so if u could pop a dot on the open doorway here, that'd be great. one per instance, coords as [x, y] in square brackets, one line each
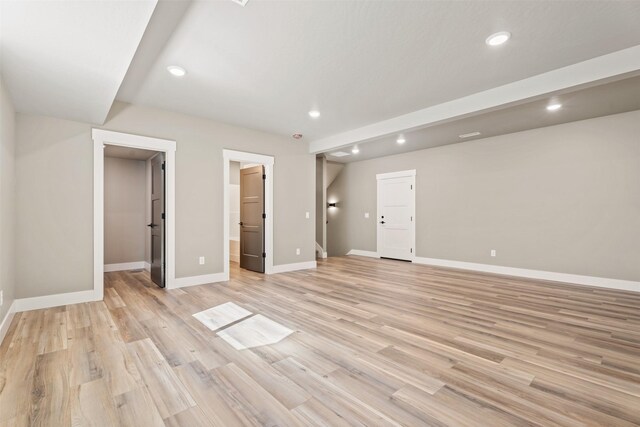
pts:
[326, 173]
[248, 217]
[118, 209]
[134, 211]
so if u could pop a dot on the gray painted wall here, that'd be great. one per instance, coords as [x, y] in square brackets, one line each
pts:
[55, 194]
[564, 199]
[7, 200]
[125, 206]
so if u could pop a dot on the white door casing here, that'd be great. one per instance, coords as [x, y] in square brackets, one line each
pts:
[396, 215]
[249, 158]
[102, 137]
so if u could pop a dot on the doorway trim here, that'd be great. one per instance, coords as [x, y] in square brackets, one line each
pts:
[267, 162]
[102, 137]
[411, 173]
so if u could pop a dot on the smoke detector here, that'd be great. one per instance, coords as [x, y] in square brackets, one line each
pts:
[296, 135]
[241, 2]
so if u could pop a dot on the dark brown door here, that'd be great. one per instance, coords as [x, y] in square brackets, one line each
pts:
[252, 218]
[157, 220]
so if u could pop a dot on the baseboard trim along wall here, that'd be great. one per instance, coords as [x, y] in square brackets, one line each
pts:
[183, 282]
[57, 300]
[358, 252]
[4, 326]
[147, 266]
[285, 268]
[601, 282]
[124, 266]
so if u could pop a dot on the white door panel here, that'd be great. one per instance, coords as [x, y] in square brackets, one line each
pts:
[396, 226]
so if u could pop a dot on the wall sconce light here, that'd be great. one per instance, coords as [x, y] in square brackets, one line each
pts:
[333, 205]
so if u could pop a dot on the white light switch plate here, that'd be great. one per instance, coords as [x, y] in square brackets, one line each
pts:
[306, 215]
[201, 260]
[366, 214]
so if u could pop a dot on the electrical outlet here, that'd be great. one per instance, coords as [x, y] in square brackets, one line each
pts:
[366, 214]
[201, 260]
[493, 252]
[297, 251]
[306, 215]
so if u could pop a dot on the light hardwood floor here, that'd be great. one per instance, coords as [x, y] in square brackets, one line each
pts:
[376, 342]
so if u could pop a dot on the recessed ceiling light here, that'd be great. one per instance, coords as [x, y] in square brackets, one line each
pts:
[355, 150]
[176, 71]
[469, 135]
[401, 140]
[314, 114]
[297, 136]
[339, 154]
[498, 38]
[554, 107]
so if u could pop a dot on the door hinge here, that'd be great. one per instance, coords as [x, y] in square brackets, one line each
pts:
[264, 254]
[264, 215]
[264, 176]
[163, 216]
[411, 219]
[411, 250]
[162, 165]
[412, 186]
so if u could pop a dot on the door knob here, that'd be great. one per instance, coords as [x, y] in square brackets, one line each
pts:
[151, 225]
[381, 222]
[240, 224]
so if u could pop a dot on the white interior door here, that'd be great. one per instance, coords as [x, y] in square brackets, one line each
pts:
[396, 215]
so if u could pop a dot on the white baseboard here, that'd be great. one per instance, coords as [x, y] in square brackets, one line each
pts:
[284, 268]
[147, 266]
[358, 252]
[4, 326]
[601, 282]
[57, 300]
[182, 282]
[138, 265]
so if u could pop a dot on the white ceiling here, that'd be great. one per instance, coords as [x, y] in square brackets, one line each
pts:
[363, 64]
[267, 64]
[610, 98]
[67, 59]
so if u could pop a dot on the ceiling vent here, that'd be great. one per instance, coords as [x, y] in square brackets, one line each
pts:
[338, 154]
[241, 2]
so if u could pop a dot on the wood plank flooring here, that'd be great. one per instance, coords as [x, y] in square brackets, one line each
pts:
[376, 343]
